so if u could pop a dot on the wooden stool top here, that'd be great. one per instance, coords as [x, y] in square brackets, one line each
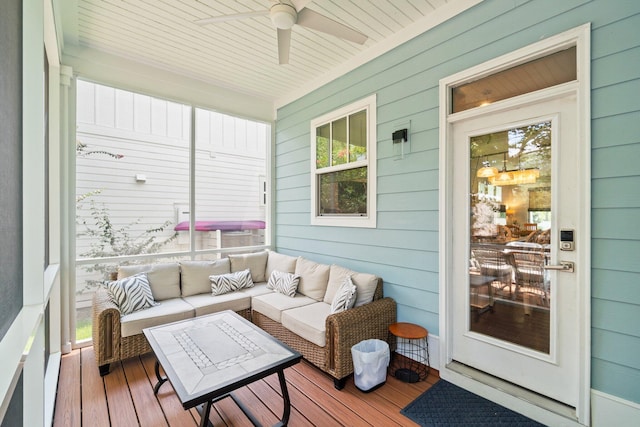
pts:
[409, 331]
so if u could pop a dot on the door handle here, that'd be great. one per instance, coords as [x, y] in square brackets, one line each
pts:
[566, 266]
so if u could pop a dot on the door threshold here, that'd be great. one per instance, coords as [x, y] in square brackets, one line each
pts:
[528, 396]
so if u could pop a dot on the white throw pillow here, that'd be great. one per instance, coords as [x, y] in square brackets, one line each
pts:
[283, 282]
[225, 283]
[345, 297]
[132, 293]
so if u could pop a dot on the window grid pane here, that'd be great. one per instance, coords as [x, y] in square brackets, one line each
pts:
[339, 142]
[323, 136]
[358, 136]
[343, 192]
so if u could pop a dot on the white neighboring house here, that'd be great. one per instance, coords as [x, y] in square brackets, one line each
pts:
[147, 182]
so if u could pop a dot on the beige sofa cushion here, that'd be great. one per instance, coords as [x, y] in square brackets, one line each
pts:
[366, 287]
[280, 262]
[164, 278]
[314, 278]
[207, 303]
[167, 311]
[365, 284]
[308, 322]
[257, 290]
[273, 304]
[256, 262]
[195, 275]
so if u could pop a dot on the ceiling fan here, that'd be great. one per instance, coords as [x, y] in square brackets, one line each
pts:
[285, 14]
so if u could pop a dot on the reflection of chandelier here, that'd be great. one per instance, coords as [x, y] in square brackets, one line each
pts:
[486, 171]
[517, 177]
[514, 177]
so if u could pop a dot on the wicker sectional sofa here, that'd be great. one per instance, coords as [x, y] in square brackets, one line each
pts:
[303, 321]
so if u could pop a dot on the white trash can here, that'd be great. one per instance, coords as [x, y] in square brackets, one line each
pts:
[370, 362]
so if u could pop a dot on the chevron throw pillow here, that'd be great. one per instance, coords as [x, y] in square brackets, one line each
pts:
[132, 293]
[225, 283]
[284, 283]
[345, 297]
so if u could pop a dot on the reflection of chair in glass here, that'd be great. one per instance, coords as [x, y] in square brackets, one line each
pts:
[515, 230]
[504, 234]
[528, 228]
[530, 277]
[542, 237]
[493, 263]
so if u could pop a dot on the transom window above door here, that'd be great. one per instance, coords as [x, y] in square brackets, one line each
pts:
[343, 159]
[547, 71]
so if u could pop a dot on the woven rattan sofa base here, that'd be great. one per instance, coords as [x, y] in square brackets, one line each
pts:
[108, 345]
[344, 330]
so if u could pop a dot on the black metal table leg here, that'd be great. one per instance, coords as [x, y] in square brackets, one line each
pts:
[285, 396]
[245, 409]
[206, 410]
[161, 379]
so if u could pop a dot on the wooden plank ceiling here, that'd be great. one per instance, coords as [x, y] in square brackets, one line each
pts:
[242, 54]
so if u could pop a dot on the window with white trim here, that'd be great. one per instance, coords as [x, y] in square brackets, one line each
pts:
[343, 166]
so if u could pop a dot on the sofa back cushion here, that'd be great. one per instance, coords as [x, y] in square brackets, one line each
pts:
[365, 284]
[280, 262]
[256, 262]
[195, 275]
[164, 278]
[314, 278]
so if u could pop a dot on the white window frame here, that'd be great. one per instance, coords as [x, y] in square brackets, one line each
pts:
[368, 220]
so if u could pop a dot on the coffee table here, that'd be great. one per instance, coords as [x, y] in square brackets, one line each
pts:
[207, 357]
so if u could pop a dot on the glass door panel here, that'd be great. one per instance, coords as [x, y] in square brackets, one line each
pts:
[514, 304]
[510, 182]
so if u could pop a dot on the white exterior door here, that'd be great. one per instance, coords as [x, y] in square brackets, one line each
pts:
[515, 312]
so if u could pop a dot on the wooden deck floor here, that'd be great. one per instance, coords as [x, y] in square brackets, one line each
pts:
[125, 398]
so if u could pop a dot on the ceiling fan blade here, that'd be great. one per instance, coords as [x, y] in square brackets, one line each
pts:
[310, 19]
[233, 17]
[284, 44]
[300, 4]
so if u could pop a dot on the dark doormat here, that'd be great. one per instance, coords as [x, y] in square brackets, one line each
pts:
[445, 404]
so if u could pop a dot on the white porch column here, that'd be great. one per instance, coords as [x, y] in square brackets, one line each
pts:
[67, 203]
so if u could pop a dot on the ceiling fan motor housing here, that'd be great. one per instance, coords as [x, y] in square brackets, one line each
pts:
[283, 16]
